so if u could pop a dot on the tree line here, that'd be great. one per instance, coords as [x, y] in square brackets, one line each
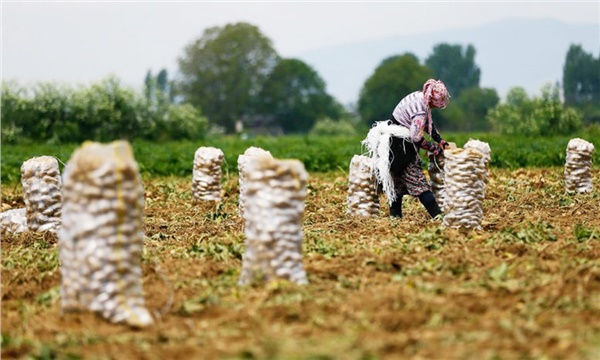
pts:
[103, 111]
[479, 109]
[231, 79]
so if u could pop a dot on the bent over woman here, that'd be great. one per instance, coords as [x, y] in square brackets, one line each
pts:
[394, 147]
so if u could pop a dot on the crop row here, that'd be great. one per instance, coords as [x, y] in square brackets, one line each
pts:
[319, 154]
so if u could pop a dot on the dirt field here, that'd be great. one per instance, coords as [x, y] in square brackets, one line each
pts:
[525, 287]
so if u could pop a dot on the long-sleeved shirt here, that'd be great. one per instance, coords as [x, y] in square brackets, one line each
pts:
[412, 113]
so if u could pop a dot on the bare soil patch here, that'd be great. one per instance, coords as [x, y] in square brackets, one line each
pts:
[526, 286]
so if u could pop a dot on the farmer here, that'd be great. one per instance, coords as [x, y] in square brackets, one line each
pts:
[394, 147]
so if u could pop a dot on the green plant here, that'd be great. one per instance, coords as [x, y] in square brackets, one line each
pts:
[329, 127]
[526, 233]
[543, 116]
[583, 233]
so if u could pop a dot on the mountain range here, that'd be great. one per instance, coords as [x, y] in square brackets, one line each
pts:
[513, 52]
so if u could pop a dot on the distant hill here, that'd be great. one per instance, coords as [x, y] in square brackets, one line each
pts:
[513, 52]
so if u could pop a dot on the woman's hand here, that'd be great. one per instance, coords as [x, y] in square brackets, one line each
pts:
[447, 145]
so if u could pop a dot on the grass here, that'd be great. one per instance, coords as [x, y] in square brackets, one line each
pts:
[319, 154]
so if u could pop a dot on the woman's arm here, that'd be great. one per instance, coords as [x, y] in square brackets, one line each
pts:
[417, 127]
[435, 135]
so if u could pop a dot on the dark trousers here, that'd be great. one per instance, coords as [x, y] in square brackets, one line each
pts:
[402, 152]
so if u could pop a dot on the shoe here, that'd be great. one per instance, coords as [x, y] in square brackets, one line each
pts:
[396, 209]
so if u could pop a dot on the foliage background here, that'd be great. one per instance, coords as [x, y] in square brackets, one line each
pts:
[232, 80]
[318, 153]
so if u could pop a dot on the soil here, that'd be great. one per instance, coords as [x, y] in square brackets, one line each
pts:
[527, 285]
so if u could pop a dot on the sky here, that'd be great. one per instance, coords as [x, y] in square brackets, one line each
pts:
[79, 42]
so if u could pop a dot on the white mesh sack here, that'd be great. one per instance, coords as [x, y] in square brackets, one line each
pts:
[101, 238]
[465, 183]
[480, 146]
[243, 159]
[362, 198]
[13, 221]
[42, 193]
[578, 163]
[275, 194]
[483, 148]
[436, 177]
[206, 178]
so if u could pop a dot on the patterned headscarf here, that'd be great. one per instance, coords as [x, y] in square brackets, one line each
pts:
[436, 94]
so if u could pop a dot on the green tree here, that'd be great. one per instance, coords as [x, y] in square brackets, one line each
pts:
[224, 70]
[474, 103]
[103, 111]
[392, 80]
[543, 116]
[107, 111]
[39, 113]
[455, 67]
[180, 121]
[50, 104]
[13, 112]
[149, 86]
[581, 82]
[329, 127]
[51, 112]
[162, 81]
[157, 88]
[294, 96]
